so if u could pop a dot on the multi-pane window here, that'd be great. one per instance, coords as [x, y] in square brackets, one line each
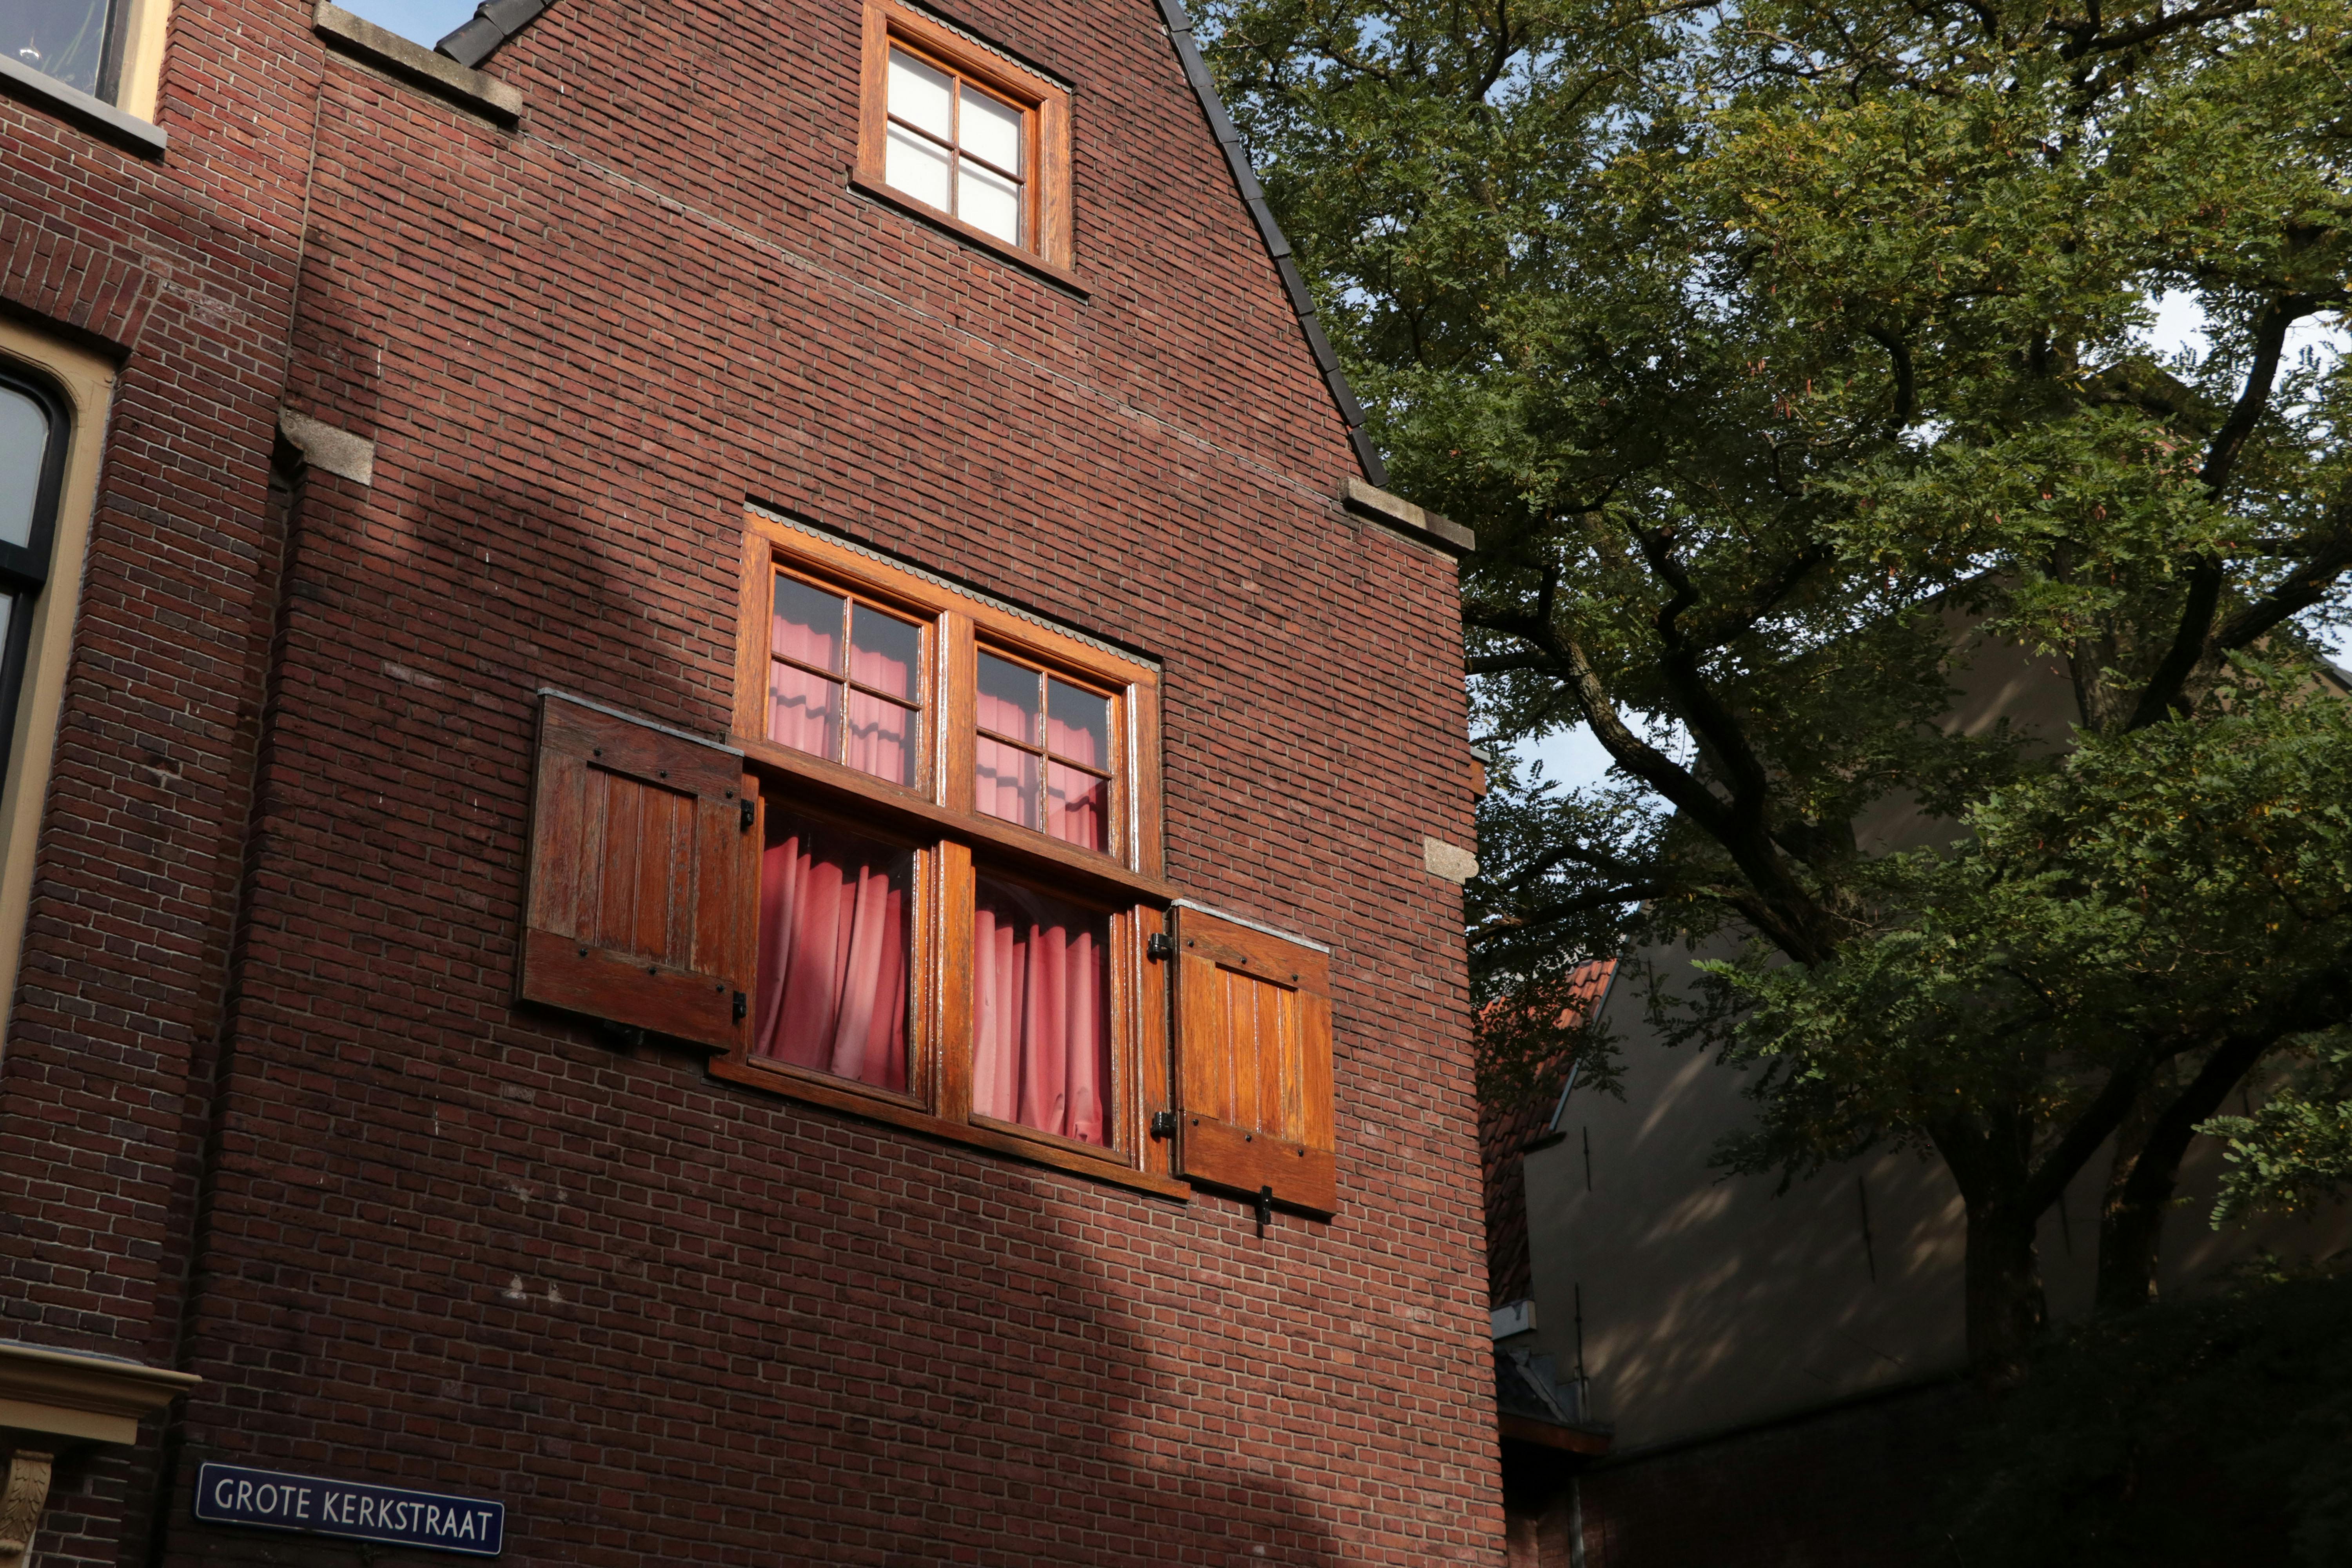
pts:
[956, 834]
[921, 883]
[955, 128]
[1042, 757]
[956, 146]
[843, 680]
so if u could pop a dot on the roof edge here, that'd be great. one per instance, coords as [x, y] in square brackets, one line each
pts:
[491, 25]
[1220, 125]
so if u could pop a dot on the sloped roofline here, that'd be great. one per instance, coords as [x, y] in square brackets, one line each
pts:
[496, 21]
[1220, 125]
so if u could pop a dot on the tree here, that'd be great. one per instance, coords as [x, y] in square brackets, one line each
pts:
[1765, 343]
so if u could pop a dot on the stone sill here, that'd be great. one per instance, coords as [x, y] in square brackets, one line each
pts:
[129, 132]
[497, 101]
[1401, 516]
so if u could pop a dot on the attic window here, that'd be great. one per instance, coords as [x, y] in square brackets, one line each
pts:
[955, 131]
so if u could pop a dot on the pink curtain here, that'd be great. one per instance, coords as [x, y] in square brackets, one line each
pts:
[1077, 809]
[881, 738]
[883, 734]
[804, 709]
[833, 911]
[1041, 1012]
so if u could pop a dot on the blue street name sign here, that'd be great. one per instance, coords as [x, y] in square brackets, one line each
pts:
[231, 1494]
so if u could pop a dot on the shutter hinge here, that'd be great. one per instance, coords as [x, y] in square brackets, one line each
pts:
[1265, 1204]
[742, 1006]
[750, 812]
[1163, 1124]
[1159, 946]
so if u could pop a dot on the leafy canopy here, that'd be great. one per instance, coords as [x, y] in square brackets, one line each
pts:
[1787, 357]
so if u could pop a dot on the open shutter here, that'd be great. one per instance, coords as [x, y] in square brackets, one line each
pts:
[1253, 1062]
[643, 900]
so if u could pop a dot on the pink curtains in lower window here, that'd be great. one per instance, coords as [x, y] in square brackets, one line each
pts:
[1041, 1012]
[833, 918]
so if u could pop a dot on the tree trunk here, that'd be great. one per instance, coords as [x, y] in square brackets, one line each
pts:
[2005, 1307]
[2131, 1226]
[2130, 1230]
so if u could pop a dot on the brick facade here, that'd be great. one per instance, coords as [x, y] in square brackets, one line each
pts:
[269, 1111]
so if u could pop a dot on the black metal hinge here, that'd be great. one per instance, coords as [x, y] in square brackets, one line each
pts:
[742, 1006]
[750, 812]
[1163, 1124]
[1160, 946]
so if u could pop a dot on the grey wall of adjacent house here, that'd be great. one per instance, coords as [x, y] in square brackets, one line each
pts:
[1709, 1303]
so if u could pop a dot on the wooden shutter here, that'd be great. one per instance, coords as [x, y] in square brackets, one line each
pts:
[1253, 1062]
[643, 900]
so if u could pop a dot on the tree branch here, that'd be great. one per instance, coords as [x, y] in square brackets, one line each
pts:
[2164, 692]
[2298, 591]
[2094, 1127]
[2084, 38]
[1907, 386]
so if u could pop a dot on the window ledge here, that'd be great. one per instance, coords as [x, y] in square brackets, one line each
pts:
[1028, 261]
[1036, 1151]
[20, 81]
[495, 100]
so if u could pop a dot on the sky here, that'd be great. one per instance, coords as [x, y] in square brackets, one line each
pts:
[1574, 758]
[426, 22]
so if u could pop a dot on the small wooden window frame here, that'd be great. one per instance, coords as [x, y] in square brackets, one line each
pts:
[954, 845]
[927, 717]
[1114, 774]
[1045, 126]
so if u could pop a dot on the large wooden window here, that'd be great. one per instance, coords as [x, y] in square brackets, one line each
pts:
[958, 862]
[959, 132]
[922, 883]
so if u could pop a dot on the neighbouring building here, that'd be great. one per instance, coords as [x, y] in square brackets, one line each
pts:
[733, 822]
[1764, 1377]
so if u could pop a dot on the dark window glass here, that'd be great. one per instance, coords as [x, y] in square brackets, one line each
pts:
[61, 38]
[32, 459]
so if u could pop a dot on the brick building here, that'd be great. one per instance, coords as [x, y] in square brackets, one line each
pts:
[729, 811]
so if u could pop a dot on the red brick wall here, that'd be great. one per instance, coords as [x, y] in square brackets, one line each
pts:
[450, 1243]
[183, 271]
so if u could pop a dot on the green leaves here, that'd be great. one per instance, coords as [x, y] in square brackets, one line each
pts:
[2157, 892]
[1790, 359]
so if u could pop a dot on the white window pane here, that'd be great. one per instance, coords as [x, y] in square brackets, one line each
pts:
[992, 130]
[990, 204]
[914, 166]
[24, 440]
[922, 96]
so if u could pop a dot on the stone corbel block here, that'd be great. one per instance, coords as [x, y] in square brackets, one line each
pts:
[50, 1400]
[323, 445]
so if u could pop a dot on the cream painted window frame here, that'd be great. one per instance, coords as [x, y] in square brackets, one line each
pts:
[86, 382]
[139, 79]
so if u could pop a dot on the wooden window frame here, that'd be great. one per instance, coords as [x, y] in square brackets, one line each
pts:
[1114, 775]
[1045, 129]
[923, 705]
[955, 844]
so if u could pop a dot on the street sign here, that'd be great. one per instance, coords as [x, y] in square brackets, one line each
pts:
[354, 1511]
